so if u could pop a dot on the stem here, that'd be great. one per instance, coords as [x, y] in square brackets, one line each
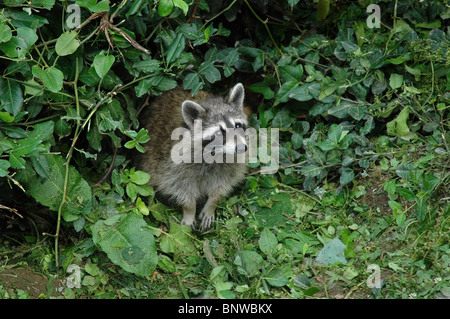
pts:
[265, 25]
[68, 158]
[220, 13]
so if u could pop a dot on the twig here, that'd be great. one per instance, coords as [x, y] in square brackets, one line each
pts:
[145, 104]
[265, 25]
[290, 217]
[68, 158]
[194, 11]
[219, 14]
[12, 210]
[108, 172]
[106, 25]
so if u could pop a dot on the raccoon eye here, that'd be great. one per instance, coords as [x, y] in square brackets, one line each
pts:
[238, 125]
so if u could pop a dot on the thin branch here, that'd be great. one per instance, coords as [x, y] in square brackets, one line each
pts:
[108, 172]
[12, 210]
[265, 25]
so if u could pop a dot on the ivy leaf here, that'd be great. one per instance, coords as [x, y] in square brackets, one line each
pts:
[67, 43]
[268, 242]
[175, 48]
[332, 253]
[178, 241]
[128, 242]
[210, 72]
[347, 175]
[395, 81]
[182, 5]
[311, 170]
[285, 90]
[5, 32]
[399, 125]
[46, 185]
[51, 77]
[192, 82]
[248, 262]
[263, 88]
[4, 165]
[93, 6]
[11, 96]
[102, 64]
[165, 7]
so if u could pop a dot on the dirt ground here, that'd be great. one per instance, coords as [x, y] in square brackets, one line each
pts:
[13, 280]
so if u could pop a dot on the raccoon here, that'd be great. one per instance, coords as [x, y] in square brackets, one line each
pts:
[208, 161]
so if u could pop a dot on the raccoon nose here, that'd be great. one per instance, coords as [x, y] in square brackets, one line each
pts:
[241, 148]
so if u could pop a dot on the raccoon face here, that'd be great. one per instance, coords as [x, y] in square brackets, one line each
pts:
[223, 123]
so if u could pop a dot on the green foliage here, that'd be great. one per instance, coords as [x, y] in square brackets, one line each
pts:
[349, 101]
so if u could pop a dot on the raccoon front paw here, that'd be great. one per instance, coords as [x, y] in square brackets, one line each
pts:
[206, 221]
[189, 222]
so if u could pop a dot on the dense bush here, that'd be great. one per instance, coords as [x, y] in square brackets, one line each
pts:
[346, 98]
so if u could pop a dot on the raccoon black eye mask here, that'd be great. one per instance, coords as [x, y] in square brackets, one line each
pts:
[222, 120]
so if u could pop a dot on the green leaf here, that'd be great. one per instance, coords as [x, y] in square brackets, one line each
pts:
[16, 161]
[175, 48]
[332, 253]
[142, 207]
[327, 145]
[131, 190]
[311, 170]
[6, 117]
[302, 93]
[263, 88]
[248, 262]
[67, 43]
[42, 131]
[26, 146]
[357, 111]
[347, 175]
[5, 32]
[51, 77]
[340, 110]
[165, 7]
[47, 186]
[139, 177]
[192, 82]
[277, 277]
[147, 65]
[178, 240]
[47, 4]
[210, 72]
[93, 6]
[323, 6]
[103, 63]
[28, 35]
[285, 90]
[282, 119]
[395, 81]
[291, 73]
[11, 96]
[413, 71]
[268, 242]
[4, 165]
[399, 125]
[128, 242]
[182, 5]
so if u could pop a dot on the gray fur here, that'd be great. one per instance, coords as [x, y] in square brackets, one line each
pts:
[188, 183]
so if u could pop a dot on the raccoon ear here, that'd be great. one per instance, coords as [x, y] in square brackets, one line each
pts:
[191, 111]
[236, 96]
